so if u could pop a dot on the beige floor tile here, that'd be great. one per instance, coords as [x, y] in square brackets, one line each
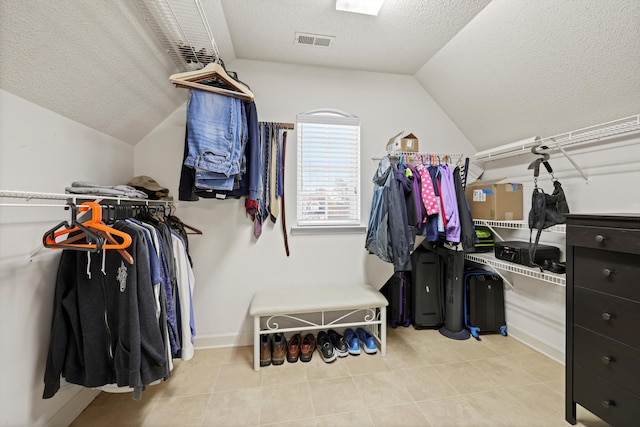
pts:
[502, 409]
[225, 406]
[538, 366]
[404, 415]
[542, 401]
[366, 363]
[472, 349]
[183, 411]
[346, 419]
[439, 352]
[242, 354]
[425, 383]
[503, 373]
[317, 369]
[307, 422]
[503, 346]
[381, 389]
[234, 376]
[241, 421]
[122, 413]
[285, 402]
[189, 380]
[402, 356]
[465, 377]
[452, 411]
[283, 374]
[335, 395]
[587, 419]
[212, 356]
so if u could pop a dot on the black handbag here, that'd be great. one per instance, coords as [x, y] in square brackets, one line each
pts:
[546, 209]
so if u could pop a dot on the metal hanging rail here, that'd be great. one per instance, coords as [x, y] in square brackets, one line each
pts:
[30, 195]
[586, 135]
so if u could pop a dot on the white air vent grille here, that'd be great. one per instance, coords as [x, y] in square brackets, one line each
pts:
[314, 39]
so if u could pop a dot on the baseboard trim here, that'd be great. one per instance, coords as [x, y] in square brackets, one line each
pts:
[537, 344]
[223, 340]
[73, 408]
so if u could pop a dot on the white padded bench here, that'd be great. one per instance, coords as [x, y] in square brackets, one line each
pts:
[284, 303]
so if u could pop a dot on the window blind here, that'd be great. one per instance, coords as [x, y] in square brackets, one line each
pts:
[328, 170]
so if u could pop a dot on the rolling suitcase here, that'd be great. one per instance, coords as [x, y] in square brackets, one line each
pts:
[397, 292]
[427, 289]
[484, 303]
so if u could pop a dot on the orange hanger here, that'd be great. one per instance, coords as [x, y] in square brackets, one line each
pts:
[94, 224]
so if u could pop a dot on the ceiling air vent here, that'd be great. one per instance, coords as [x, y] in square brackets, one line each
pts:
[314, 39]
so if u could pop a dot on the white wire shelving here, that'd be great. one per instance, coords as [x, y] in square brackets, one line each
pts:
[496, 264]
[68, 197]
[492, 261]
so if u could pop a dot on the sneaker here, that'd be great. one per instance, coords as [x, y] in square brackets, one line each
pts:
[293, 348]
[307, 347]
[352, 341]
[325, 347]
[278, 349]
[339, 344]
[367, 340]
[265, 350]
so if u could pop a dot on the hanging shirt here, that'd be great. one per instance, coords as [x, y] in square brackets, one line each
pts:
[449, 200]
[428, 193]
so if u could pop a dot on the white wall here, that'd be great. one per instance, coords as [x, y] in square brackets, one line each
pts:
[535, 309]
[44, 152]
[230, 265]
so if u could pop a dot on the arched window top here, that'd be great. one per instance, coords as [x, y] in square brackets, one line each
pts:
[328, 116]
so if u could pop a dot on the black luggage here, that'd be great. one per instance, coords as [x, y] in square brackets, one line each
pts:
[397, 291]
[484, 303]
[427, 289]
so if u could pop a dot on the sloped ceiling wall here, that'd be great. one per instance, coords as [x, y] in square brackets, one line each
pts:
[526, 68]
[502, 70]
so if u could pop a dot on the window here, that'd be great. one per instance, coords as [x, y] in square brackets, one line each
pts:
[328, 169]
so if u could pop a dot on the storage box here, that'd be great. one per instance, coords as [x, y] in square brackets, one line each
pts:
[408, 143]
[495, 200]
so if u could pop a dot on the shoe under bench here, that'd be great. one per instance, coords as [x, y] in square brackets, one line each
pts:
[337, 307]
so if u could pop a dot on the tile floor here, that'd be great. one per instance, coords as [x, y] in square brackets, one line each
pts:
[425, 380]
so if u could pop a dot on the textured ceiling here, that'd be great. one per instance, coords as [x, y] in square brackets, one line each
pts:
[404, 35]
[502, 70]
[94, 62]
[526, 68]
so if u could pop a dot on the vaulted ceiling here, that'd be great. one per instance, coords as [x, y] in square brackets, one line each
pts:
[502, 70]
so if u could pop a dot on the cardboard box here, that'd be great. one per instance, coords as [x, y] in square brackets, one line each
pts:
[495, 200]
[408, 143]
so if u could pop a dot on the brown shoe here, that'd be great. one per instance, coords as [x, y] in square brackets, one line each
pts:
[307, 347]
[265, 350]
[293, 348]
[279, 349]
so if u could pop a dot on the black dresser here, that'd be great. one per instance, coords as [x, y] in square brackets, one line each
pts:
[603, 317]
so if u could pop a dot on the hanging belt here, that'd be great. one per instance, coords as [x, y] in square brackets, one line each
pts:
[284, 222]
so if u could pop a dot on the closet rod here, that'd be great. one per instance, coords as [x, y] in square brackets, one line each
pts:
[412, 153]
[30, 195]
[281, 124]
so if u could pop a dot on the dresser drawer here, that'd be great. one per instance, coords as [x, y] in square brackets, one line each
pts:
[616, 318]
[610, 239]
[611, 403]
[605, 271]
[607, 358]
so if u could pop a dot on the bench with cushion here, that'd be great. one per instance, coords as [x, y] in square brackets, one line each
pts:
[285, 304]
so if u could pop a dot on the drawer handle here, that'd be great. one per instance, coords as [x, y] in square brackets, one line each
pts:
[607, 272]
[608, 403]
[607, 316]
[607, 359]
[599, 238]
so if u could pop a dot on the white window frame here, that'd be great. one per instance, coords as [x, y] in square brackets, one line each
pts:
[307, 224]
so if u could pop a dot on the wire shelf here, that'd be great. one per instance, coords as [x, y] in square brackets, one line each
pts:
[183, 29]
[517, 225]
[568, 139]
[487, 259]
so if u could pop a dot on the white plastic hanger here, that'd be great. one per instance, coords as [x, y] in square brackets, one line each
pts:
[191, 79]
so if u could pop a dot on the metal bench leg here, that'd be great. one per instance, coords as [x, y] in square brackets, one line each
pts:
[256, 343]
[383, 331]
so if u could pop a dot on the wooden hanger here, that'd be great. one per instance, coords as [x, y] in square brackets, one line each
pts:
[192, 79]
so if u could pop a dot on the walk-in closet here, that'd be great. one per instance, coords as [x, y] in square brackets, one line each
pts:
[327, 212]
